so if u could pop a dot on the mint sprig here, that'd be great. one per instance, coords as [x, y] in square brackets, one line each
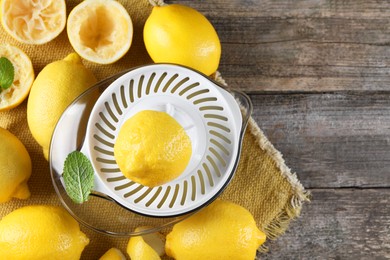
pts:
[7, 73]
[78, 176]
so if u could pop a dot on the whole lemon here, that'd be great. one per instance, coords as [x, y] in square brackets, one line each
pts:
[40, 232]
[180, 34]
[15, 167]
[55, 87]
[222, 230]
[152, 148]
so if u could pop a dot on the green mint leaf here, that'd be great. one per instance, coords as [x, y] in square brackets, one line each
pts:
[7, 73]
[78, 176]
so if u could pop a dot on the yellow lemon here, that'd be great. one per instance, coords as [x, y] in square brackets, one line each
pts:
[33, 22]
[222, 230]
[15, 167]
[149, 246]
[113, 254]
[100, 31]
[179, 34]
[23, 77]
[152, 148]
[40, 232]
[55, 87]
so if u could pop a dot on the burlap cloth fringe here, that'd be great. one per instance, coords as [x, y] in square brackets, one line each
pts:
[292, 208]
[263, 183]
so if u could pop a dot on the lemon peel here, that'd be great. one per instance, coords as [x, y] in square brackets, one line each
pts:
[149, 246]
[113, 254]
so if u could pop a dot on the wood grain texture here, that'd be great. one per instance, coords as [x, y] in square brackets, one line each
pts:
[330, 140]
[338, 224]
[310, 46]
[319, 77]
[293, 8]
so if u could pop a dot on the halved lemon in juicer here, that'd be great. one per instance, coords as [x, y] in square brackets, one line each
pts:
[164, 140]
[213, 118]
[152, 148]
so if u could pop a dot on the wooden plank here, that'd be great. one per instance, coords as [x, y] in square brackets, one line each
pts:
[302, 45]
[292, 8]
[306, 66]
[263, 30]
[330, 140]
[338, 224]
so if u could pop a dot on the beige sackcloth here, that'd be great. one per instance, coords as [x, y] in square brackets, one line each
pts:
[263, 183]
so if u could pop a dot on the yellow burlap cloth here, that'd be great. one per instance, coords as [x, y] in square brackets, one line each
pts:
[263, 183]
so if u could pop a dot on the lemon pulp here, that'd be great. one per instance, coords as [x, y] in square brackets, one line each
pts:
[152, 148]
[100, 31]
[33, 22]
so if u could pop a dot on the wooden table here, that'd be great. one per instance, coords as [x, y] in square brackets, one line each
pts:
[318, 73]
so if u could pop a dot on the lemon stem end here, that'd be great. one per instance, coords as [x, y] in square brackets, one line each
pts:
[72, 57]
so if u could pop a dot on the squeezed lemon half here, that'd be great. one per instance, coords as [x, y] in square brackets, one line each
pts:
[33, 22]
[152, 148]
[23, 79]
[100, 31]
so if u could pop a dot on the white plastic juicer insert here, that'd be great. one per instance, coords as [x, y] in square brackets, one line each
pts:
[209, 114]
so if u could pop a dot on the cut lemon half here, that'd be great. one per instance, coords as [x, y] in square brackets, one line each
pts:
[33, 22]
[100, 31]
[23, 77]
[149, 246]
